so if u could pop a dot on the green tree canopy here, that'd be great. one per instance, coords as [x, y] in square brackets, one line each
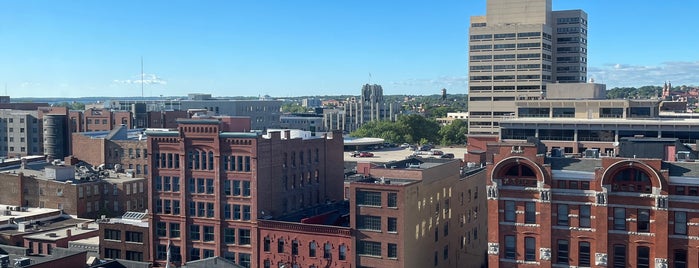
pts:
[454, 133]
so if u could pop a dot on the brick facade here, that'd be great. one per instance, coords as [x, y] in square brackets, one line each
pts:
[609, 212]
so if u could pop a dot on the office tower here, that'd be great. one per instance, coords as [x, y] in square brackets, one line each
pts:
[514, 51]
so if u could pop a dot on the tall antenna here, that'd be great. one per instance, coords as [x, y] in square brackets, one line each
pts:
[369, 78]
[141, 76]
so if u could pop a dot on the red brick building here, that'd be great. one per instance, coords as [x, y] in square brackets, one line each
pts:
[304, 245]
[590, 212]
[125, 238]
[209, 186]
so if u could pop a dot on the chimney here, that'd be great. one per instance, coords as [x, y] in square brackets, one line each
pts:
[68, 233]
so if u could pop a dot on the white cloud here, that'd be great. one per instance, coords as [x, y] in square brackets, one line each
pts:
[625, 75]
[148, 79]
[27, 84]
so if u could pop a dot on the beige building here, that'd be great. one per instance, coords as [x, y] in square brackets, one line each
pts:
[418, 213]
[515, 51]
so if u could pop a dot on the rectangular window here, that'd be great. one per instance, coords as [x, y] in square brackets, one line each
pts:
[584, 254]
[136, 237]
[510, 247]
[530, 212]
[680, 260]
[562, 215]
[369, 248]
[510, 215]
[367, 198]
[619, 258]
[280, 245]
[343, 252]
[530, 249]
[229, 236]
[208, 233]
[194, 232]
[642, 257]
[392, 225]
[585, 216]
[244, 236]
[227, 187]
[620, 219]
[643, 221]
[372, 223]
[236, 212]
[562, 252]
[246, 188]
[111, 234]
[174, 229]
[244, 259]
[246, 213]
[680, 222]
[294, 247]
[161, 229]
[209, 186]
[236, 187]
[392, 200]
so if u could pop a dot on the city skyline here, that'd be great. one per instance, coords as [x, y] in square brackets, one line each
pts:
[282, 49]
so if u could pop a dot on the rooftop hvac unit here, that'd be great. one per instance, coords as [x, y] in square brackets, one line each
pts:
[591, 153]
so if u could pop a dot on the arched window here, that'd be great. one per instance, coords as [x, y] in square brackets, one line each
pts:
[519, 175]
[631, 180]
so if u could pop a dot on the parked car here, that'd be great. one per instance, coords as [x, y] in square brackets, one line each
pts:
[437, 152]
[404, 145]
[366, 154]
[355, 154]
[447, 155]
[425, 148]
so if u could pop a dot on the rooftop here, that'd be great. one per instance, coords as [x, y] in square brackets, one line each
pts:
[62, 233]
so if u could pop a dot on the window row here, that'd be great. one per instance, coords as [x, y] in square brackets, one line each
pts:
[373, 223]
[281, 247]
[235, 163]
[167, 160]
[237, 212]
[167, 183]
[374, 198]
[236, 188]
[373, 248]
[167, 206]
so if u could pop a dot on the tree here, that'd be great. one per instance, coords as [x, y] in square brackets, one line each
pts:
[454, 133]
[420, 128]
[78, 106]
[394, 132]
[292, 107]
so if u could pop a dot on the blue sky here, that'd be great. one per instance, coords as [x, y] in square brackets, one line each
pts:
[293, 48]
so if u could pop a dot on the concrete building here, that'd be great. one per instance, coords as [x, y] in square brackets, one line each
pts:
[451, 117]
[575, 122]
[515, 50]
[20, 133]
[418, 213]
[620, 211]
[230, 178]
[355, 112]
[307, 122]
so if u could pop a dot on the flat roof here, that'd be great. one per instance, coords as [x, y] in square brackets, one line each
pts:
[24, 212]
[58, 234]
